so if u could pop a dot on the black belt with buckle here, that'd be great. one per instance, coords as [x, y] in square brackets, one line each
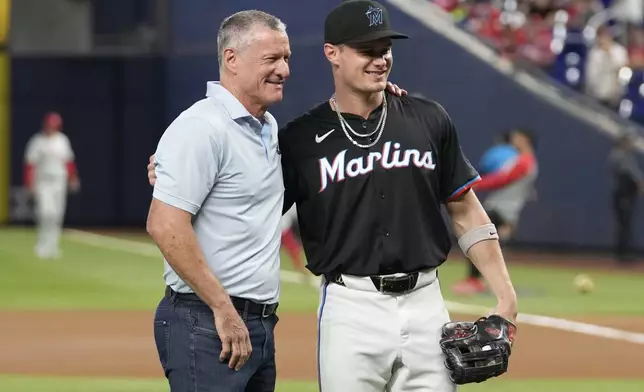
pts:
[241, 304]
[395, 284]
[387, 284]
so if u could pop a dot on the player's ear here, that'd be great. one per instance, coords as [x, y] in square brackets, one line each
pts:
[230, 60]
[331, 52]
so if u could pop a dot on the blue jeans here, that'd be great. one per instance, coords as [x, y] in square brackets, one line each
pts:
[189, 348]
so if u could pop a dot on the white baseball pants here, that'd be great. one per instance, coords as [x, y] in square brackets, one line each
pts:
[51, 202]
[374, 342]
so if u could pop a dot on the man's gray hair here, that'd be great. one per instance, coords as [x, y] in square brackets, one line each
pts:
[236, 30]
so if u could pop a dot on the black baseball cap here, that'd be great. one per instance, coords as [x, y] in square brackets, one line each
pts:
[356, 21]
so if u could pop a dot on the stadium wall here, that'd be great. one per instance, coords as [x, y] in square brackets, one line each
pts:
[116, 109]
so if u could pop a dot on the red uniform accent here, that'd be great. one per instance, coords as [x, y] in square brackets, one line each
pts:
[462, 191]
[292, 245]
[71, 169]
[29, 175]
[522, 167]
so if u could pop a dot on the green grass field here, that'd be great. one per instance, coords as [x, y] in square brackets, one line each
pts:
[62, 384]
[93, 276]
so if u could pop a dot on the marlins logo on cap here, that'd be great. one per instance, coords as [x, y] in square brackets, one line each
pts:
[374, 15]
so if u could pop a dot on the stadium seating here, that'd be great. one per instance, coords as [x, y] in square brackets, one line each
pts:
[569, 46]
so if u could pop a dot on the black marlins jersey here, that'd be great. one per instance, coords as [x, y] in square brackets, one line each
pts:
[371, 211]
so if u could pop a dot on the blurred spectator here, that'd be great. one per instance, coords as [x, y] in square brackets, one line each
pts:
[539, 34]
[636, 47]
[580, 12]
[629, 184]
[628, 11]
[604, 61]
[546, 33]
[541, 10]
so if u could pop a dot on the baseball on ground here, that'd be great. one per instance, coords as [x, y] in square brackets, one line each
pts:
[583, 283]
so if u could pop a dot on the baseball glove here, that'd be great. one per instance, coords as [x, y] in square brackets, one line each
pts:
[479, 350]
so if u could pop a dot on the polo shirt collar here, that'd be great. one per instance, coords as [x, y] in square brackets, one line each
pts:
[232, 105]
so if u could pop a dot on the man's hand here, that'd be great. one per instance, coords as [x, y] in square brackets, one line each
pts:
[395, 90]
[235, 340]
[152, 176]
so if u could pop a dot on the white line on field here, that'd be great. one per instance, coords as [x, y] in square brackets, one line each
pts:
[139, 248]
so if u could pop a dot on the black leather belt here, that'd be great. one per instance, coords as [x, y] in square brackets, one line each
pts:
[387, 284]
[243, 305]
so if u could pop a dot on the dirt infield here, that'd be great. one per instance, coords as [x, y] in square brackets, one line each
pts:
[121, 344]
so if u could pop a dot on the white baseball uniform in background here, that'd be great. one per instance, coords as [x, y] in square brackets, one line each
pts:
[289, 218]
[49, 156]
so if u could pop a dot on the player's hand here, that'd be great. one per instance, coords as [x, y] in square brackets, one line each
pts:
[506, 310]
[235, 340]
[395, 90]
[152, 176]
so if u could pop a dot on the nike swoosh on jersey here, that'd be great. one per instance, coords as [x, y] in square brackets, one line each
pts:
[318, 138]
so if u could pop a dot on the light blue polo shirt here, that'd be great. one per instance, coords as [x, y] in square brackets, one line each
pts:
[220, 164]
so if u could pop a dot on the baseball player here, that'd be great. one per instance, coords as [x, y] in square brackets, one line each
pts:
[628, 186]
[511, 186]
[498, 155]
[369, 173]
[49, 169]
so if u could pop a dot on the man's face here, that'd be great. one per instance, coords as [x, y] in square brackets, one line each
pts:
[604, 39]
[366, 66]
[263, 66]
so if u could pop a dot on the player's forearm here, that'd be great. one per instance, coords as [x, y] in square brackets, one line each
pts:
[178, 244]
[471, 223]
[488, 258]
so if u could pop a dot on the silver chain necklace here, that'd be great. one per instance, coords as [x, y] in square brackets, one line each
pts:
[380, 127]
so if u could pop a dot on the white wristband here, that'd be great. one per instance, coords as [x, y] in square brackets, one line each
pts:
[476, 235]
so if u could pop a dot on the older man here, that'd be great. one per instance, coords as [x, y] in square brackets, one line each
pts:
[215, 215]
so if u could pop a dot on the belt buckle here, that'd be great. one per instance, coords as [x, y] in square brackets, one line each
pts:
[410, 280]
[382, 284]
[264, 308]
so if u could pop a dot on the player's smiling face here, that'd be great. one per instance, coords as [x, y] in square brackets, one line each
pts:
[366, 66]
[264, 65]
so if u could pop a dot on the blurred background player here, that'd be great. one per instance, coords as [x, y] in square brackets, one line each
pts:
[499, 154]
[510, 171]
[49, 169]
[629, 184]
[292, 244]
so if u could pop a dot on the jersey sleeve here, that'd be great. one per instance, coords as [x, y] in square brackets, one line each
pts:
[187, 163]
[522, 167]
[31, 151]
[69, 152]
[456, 172]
